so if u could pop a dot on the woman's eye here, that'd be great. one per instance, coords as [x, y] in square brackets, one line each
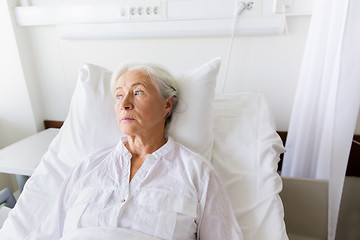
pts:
[119, 97]
[139, 92]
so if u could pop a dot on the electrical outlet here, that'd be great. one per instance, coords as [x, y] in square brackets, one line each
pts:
[252, 7]
[145, 10]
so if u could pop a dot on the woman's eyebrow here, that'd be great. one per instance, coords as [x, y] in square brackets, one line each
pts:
[133, 85]
[137, 84]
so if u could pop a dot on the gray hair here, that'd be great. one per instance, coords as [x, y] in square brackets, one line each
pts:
[162, 79]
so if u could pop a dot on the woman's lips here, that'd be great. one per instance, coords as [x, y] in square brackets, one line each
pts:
[127, 119]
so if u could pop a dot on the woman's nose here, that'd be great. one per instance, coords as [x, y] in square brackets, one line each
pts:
[126, 103]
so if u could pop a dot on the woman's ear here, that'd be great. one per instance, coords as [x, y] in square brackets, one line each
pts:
[168, 106]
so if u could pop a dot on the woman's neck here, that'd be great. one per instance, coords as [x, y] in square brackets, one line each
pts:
[139, 146]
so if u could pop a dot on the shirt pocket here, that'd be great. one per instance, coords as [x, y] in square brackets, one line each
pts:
[72, 217]
[166, 214]
[86, 208]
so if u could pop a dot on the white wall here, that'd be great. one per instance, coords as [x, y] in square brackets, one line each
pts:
[16, 114]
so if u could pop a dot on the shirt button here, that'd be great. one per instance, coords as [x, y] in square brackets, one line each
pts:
[123, 200]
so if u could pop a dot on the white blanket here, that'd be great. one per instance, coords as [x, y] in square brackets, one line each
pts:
[107, 233]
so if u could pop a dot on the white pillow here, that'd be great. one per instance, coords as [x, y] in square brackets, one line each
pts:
[91, 126]
[192, 120]
[91, 123]
[246, 154]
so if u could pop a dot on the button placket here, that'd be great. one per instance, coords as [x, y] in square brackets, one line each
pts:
[124, 185]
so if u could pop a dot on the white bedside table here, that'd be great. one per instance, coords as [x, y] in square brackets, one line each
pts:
[21, 158]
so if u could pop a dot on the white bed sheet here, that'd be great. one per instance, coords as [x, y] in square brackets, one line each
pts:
[246, 155]
[4, 212]
[107, 234]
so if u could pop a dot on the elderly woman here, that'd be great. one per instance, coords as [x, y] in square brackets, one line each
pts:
[149, 183]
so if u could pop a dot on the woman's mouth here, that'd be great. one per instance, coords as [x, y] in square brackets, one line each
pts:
[127, 119]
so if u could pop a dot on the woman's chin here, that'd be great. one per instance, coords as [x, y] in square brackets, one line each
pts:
[128, 130]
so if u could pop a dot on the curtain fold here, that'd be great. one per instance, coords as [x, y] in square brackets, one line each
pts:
[327, 100]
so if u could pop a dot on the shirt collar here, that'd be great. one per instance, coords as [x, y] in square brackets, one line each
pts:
[168, 146]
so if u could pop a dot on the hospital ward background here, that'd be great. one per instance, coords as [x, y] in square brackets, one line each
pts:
[274, 84]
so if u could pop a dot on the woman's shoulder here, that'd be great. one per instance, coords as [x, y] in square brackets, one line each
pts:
[182, 149]
[93, 159]
[191, 159]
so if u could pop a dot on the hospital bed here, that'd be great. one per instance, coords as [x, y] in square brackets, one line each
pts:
[235, 132]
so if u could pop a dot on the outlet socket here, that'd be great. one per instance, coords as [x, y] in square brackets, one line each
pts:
[145, 10]
[252, 7]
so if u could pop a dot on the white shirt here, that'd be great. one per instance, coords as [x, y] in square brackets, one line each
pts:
[176, 194]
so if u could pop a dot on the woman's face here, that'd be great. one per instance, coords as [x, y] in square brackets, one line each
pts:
[139, 108]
